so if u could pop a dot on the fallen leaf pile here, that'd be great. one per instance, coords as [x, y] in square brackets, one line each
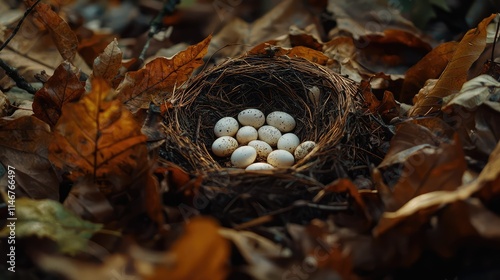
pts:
[92, 192]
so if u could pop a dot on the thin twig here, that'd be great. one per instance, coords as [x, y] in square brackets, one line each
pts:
[11, 71]
[18, 26]
[156, 25]
[14, 75]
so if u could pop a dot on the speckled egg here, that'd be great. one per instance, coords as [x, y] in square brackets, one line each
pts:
[280, 159]
[226, 126]
[263, 149]
[259, 166]
[288, 142]
[281, 120]
[303, 149]
[224, 146]
[269, 134]
[252, 117]
[243, 156]
[246, 134]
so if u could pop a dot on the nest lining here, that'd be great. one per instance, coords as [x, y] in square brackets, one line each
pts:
[268, 84]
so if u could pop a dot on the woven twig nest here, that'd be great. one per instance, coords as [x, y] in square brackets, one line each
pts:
[326, 106]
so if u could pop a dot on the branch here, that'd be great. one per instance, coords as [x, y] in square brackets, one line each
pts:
[14, 75]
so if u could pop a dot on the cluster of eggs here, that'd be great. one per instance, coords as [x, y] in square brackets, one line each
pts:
[267, 140]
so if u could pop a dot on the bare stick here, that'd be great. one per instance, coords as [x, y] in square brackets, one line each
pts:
[11, 71]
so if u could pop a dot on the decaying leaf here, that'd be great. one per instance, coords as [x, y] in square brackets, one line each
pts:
[97, 136]
[183, 262]
[62, 87]
[64, 38]
[24, 146]
[49, 219]
[159, 77]
[455, 74]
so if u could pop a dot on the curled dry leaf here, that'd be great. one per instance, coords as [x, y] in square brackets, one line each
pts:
[159, 77]
[62, 87]
[64, 38]
[97, 136]
[199, 253]
[24, 146]
[455, 74]
[49, 219]
[473, 93]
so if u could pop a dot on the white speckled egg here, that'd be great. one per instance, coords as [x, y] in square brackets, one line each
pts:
[246, 134]
[288, 142]
[263, 149]
[243, 156]
[252, 117]
[269, 134]
[259, 166]
[280, 159]
[281, 120]
[226, 126]
[224, 146]
[303, 149]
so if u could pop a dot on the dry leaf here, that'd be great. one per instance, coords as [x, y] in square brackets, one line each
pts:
[455, 74]
[24, 146]
[97, 136]
[304, 52]
[200, 253]
[63, 87]
[390, 52]
[473, 93]
[159, 77]
[64, 38]
[369, 17]
[107, 64]
[429, 67]
[426, 167]
[418, 210]
[87, 201]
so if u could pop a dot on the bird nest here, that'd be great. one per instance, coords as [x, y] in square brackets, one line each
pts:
[327, 107]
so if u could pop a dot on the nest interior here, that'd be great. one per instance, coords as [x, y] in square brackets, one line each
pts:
[325, 105]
